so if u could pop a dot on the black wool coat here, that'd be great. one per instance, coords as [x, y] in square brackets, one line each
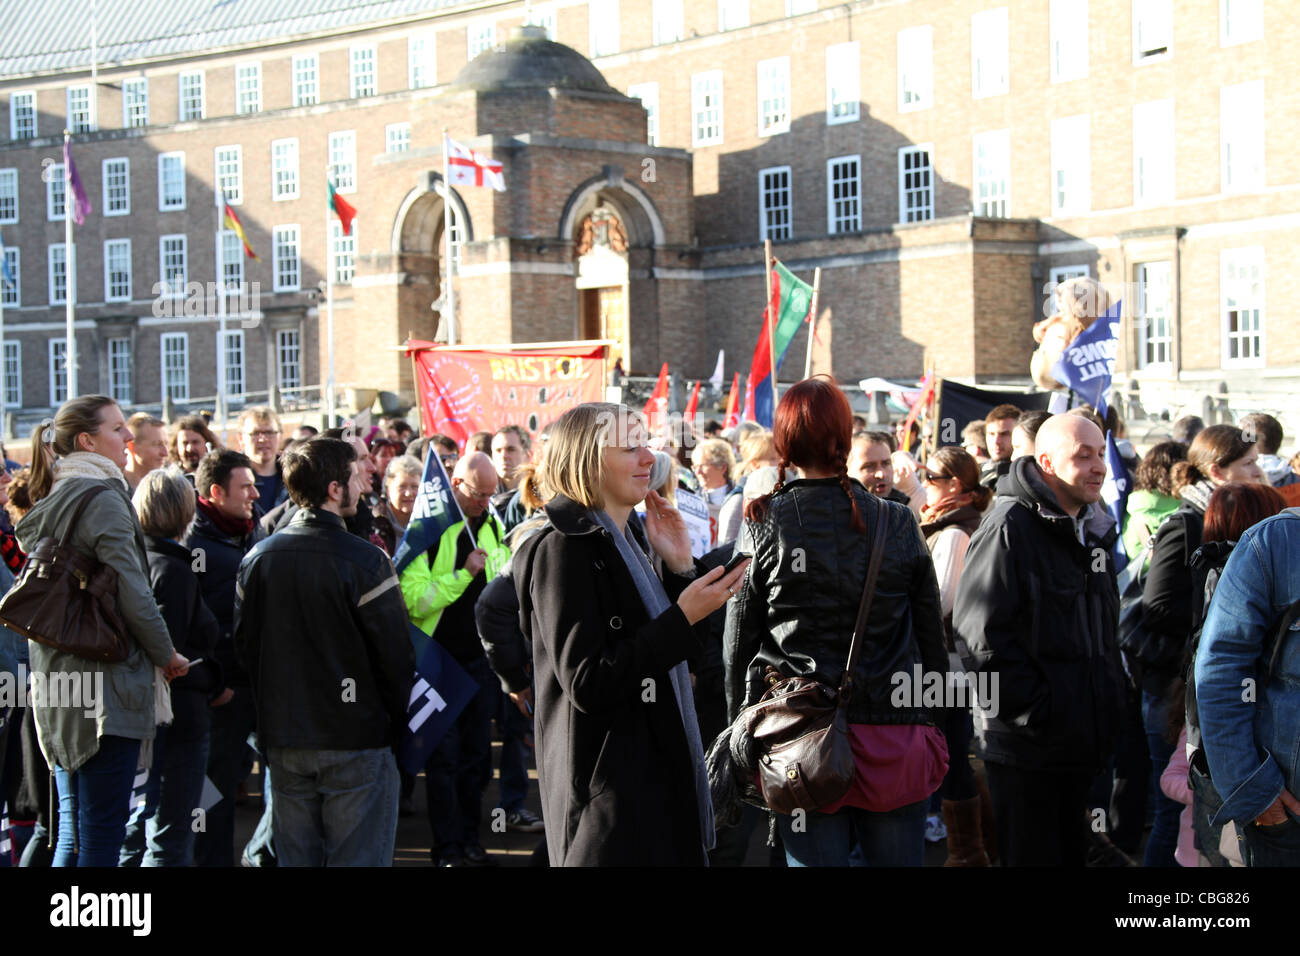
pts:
[613, 763]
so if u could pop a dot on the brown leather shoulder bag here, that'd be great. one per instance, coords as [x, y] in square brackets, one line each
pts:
[800, 725]
[68, 600]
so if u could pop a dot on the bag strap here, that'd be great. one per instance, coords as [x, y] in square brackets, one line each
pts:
[76, 512]
[864, 606]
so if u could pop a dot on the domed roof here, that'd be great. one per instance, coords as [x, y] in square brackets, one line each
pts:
[529, 61]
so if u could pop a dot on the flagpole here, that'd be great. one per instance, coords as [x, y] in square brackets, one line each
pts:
[767, 311]
[812, 321]
[449, 293]
[219, 198]
[70, 272]
[329, 311]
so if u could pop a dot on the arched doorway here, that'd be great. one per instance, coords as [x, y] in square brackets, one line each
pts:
[601, 251]
[418, 247]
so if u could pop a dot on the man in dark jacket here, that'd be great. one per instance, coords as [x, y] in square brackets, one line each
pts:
[1038, 606]
[222, 532]
[321, 627]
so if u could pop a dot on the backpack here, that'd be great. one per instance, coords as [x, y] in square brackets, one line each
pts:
[1142, 646]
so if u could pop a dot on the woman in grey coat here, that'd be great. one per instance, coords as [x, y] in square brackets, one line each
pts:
[93, 717]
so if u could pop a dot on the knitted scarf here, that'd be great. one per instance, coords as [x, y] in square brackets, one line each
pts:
[88, 464]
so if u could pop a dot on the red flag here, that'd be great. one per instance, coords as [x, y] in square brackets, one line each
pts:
[343, 209]
[656, 409]
[691, 405]
[733, 404]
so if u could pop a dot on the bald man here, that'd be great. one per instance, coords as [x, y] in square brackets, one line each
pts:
[1038, 606]
[440, 588]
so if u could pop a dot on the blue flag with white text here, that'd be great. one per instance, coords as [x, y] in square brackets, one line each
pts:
[1087, 364]
[1114, 492]
[435, 511]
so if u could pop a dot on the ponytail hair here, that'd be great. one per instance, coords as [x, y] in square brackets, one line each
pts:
[1217, 445]
[958, 462]
[56, 437]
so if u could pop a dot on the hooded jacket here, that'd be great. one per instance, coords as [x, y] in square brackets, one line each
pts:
[1039, 611]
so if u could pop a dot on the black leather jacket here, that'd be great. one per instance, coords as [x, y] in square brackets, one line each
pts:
[799, 600]
[322, 629]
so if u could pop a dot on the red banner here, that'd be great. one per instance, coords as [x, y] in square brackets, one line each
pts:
[463, 391]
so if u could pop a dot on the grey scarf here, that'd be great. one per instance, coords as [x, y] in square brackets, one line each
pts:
[651, 590]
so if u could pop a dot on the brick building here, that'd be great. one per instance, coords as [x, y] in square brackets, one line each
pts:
[943, 162]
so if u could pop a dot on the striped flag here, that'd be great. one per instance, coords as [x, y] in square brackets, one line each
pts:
[343, 209]
[231, 220]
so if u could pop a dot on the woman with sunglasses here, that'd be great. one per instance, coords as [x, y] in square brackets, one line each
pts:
[954, 503]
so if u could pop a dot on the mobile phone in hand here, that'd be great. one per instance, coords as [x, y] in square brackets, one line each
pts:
[735, 563]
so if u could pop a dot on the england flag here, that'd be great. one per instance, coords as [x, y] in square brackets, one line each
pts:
[468, 168]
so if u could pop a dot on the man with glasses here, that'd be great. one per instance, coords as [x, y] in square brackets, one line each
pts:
[260, 429]
[440, 588]
[147, 447]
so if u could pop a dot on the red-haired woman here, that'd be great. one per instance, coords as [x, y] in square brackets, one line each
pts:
[1232, 509]
[811, 542]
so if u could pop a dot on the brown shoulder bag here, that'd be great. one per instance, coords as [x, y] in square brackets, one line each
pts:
[800, 726]
[68, 600]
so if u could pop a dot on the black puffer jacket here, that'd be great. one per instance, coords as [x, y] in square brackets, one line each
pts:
[798, 603]
[1167, 596]
[323, 632]
[1039, 612]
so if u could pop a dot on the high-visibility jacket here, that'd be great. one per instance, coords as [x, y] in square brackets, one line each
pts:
[428, 588]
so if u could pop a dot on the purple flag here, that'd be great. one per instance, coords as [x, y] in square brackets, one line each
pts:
[81, 201]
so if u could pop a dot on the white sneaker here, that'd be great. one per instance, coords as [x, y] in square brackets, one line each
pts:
[935, 830]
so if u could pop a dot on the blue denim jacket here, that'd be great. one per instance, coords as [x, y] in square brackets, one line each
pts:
[1250, 730]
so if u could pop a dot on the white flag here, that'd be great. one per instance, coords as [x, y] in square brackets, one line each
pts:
[715, 379]
[468, 168]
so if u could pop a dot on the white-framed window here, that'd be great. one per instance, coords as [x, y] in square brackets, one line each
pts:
[774, 96]
[706, 108]
[774, 203]
[989, 53]
[1241, 136]
[284, 169]
[457, 238]
[421, 61]
[603, 17]
[915, 68]
[796, 8]
[58, 273]
[234, 347]
[666, 21]
[8, 196]
[397, 138]
[286, 266]
[991, 160]
[81, 109]
[648, 94]
[12, 294]
[915, 183]
[288, 358]
[232, 261]
[843, 83]
[1071, 167]
[190, 99]
[306, 79]
[228, 161]
[1059, 274]
[843, 194]
[13, 373]
[58, 365]
[1240, 21]
[135, 102]
[173, 264]
[1241, 293]
[480, 36]
[732, 14]
[117, 270]
[171, 181]
[1153, 30]
[362, 70]
[22, 115]
[1069, 40]
[1153, 152]
[543, 17]
[343, 160]
[1152, 323]
[56, 187]
[248, 88]
[343, 251]
[119, 370]
[174, 350]
[117, 187]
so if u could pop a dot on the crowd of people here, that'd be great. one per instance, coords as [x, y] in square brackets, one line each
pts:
[624, 646]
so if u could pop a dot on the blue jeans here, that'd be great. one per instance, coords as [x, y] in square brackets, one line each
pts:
[166, 822]
[459, 769]
[230, 761]
[94, 803]
[513, 726]
[334, 807]
[1164, 829]
[896, 838]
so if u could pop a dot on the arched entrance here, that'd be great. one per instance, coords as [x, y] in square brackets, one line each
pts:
[418, 248]
[601, 251]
